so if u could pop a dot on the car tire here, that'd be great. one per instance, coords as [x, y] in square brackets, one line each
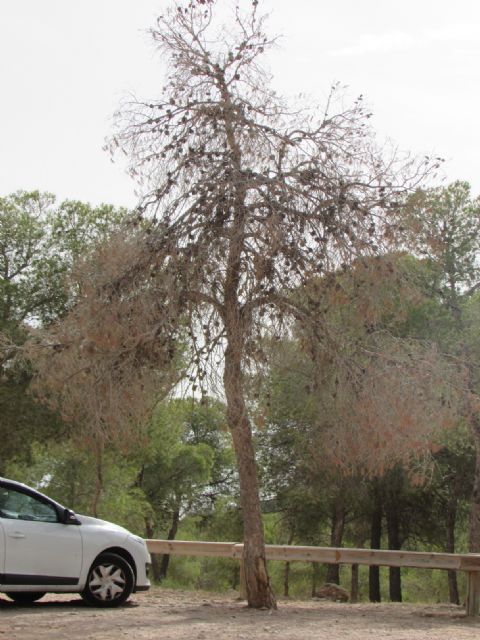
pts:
[110, 581]
[25, 597]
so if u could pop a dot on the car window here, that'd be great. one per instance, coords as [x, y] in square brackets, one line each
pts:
[20, 506]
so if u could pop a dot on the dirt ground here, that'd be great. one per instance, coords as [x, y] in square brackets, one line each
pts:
[162, 614]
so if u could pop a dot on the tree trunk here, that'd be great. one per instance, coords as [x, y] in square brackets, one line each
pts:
[375, 543]
[286, 577]
[162, 574]
[453, 587]
[259, 591]
[393, 531]
[336, 537]
[450, 548]
[257, 582]
[315, 576]
[354, 584]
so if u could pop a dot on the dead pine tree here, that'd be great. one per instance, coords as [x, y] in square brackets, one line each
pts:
[245, 201]
[251, 200]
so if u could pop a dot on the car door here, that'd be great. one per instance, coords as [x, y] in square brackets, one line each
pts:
[39, 550]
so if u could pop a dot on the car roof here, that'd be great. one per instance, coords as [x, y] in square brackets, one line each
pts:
[14, 482]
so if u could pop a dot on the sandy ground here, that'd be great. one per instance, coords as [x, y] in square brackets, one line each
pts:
[162, 614]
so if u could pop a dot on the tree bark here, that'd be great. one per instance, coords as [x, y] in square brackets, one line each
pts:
[375, 543]
[336, 538]
[259, 591]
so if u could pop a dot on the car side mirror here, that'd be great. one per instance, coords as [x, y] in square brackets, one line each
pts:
[69, 517]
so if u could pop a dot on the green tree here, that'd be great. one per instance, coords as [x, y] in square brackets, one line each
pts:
[446, 226]
[187, 462]
[39, 241]
[67, 472]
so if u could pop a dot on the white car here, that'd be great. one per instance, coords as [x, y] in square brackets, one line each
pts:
[45, 547]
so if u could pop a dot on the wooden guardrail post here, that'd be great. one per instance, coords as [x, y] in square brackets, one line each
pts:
[473, 593]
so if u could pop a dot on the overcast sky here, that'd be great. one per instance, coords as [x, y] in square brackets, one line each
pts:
[65, 65]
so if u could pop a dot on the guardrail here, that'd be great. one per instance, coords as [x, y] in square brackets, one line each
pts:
[468, 562]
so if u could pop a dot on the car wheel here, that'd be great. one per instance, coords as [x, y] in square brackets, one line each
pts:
[25, 597]
[110, 581]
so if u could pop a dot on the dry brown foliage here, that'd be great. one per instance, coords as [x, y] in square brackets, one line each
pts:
[393, 408]
[384, 400]
[106, 363]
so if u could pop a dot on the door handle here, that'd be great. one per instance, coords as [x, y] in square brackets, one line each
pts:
[16, 534]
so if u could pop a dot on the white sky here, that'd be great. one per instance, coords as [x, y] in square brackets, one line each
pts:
[65, 64]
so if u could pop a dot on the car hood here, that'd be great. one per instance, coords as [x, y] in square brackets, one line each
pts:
[88, 520]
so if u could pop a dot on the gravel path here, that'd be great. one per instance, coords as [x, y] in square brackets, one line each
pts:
[163, 614]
